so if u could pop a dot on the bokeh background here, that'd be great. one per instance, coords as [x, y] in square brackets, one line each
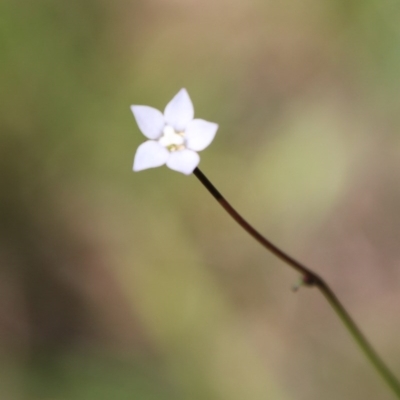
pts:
[115, 285]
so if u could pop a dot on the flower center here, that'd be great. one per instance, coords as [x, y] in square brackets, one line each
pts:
[171, 139]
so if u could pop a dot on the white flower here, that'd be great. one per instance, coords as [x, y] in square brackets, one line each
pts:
[175, 137]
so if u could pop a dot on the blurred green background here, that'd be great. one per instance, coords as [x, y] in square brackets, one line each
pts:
[115, 285]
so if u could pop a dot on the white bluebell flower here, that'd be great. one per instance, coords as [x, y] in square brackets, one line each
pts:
[175, 137]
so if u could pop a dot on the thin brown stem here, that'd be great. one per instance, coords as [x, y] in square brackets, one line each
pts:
[309, 278]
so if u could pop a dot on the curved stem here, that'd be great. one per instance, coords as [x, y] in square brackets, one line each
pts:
[310, 278]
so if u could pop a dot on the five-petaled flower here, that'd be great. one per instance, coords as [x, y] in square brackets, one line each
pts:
[175, 137]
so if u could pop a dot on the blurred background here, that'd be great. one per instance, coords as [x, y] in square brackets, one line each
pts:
[115, 285]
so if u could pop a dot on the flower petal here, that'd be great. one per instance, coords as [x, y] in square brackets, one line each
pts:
[150, 121]
[179, 111]
[199, 134]
[184, 161]
[150, 154]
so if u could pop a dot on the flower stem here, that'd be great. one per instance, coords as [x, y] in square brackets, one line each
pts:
[309, 278]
